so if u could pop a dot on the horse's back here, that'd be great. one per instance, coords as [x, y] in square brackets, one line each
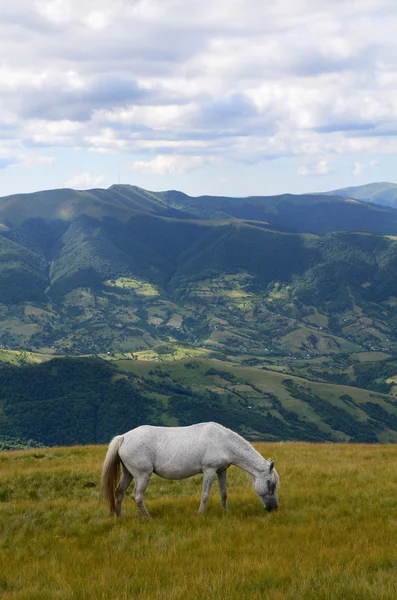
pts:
[146, 432]
[174, 452]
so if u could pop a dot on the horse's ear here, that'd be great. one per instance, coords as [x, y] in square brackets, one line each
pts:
[271, 466]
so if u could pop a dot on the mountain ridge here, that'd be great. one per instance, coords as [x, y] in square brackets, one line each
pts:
[381, 193]
[302, 212]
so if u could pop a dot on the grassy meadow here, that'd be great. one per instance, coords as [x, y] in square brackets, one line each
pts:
[333, 537]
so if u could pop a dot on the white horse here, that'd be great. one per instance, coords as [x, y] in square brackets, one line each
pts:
[180, 452]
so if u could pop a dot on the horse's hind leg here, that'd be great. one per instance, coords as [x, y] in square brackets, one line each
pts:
[223, 487]
[121, 489]
[141, 483]
[208, 479]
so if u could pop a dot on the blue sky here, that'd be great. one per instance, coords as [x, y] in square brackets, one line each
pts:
[227, 97]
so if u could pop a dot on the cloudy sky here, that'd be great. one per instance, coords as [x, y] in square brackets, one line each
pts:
[228, 97]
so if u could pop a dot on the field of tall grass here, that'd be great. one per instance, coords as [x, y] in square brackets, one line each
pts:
[334, 536]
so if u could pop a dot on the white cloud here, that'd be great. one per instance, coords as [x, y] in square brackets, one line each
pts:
[84, 181]
[239, 80]
[34, 159]
[359, 167]
[169, 164]
[57, 133]
[11, 154]
[154, 117]
[320, 168]
[97, 14]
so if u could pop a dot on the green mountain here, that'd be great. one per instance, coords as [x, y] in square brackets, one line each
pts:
[308, 213]
[281, 287]
[119, 202]
[159, 274]
[139, 278]
[382, 193]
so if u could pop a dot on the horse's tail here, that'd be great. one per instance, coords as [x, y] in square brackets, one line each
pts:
[111, 472]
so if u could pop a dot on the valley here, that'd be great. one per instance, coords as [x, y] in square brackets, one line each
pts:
[147, 281]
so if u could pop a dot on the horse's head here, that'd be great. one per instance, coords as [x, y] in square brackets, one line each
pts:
[266, 484]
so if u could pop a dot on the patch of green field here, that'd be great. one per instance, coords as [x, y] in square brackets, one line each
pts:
[16, 327]
[236, 294]
[279, 292]
[39, 313]
[369, 356]
[333, 536]
[317, 318]
[16, 357]
[312, 340]
[141, 288]
[155, 320]
[177, 352]
[231, 286]
[175, 321]
[80, 296]
[391, 301]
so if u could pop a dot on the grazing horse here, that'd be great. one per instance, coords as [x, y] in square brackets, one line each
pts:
[180, 452]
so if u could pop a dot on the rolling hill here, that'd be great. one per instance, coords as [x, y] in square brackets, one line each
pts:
[69, 401]
[291, 286]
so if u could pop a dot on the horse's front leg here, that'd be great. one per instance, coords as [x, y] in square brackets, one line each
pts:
[141, 483]
[222, 481]
[209, 476]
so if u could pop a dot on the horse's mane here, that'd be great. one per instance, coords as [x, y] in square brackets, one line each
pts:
[277, 478]
[247, 444]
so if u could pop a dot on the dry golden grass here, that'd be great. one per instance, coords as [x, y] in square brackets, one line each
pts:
[334, 536]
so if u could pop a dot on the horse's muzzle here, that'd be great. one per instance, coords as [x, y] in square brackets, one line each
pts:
[271, 505]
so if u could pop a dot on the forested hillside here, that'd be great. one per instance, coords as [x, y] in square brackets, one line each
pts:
[109, 286]
[80, 401]
[257, 283]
